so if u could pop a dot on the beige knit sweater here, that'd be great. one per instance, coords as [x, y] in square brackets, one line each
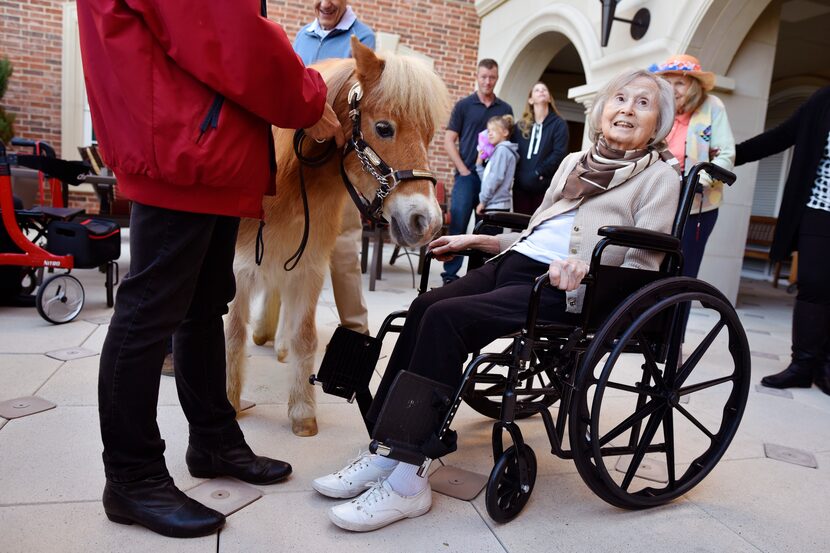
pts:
[648, 200]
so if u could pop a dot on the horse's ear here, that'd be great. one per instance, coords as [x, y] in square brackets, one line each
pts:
[369, 66]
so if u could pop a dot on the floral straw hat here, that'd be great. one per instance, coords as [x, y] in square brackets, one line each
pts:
[684, 64]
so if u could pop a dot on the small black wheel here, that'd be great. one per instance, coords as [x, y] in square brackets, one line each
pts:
[634, 394]
[60, 298]
[485, 397]
[505, 496]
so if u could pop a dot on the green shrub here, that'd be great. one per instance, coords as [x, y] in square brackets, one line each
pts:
[6, 119]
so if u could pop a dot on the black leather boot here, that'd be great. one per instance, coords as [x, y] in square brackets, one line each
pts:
[156, 503]
[239, 462]
[809, 335]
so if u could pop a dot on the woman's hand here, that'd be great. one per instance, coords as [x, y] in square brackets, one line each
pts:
[443, 248]
[567, 274]
[327, 127]
[479, 209]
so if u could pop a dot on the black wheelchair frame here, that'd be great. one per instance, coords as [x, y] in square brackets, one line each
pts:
[625, 311]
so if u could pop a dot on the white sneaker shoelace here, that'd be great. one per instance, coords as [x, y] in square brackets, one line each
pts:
[377, 493]
[359, 463]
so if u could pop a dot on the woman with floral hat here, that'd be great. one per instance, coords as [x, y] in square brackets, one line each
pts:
[701, 132]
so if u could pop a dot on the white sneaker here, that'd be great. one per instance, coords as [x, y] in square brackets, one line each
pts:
[378, 506]
[352, 479]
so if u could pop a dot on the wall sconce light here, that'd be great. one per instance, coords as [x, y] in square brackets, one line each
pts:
[639, 25]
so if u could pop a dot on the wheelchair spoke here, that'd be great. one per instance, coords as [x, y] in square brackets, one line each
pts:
[668, 434]
[703, 385]
[696, 422]
[639, 415]
[650, 364]
[628, 388]
[697, 354]
[639, 453]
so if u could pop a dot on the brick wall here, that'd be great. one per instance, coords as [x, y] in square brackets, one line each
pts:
[30, 35]
[445, 30]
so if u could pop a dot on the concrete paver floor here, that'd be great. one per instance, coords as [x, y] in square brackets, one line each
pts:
[51, 475]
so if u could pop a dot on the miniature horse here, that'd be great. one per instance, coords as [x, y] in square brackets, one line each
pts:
[402, 105]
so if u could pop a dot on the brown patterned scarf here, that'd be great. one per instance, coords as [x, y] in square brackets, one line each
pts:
[602, 168]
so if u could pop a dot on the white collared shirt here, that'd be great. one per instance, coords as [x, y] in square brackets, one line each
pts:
[344, 24]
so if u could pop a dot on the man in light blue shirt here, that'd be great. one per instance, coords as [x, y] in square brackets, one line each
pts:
[329, 34]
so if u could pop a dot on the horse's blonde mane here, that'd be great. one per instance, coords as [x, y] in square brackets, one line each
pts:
[408, 87]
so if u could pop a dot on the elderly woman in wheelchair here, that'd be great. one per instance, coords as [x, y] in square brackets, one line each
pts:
[626, 179]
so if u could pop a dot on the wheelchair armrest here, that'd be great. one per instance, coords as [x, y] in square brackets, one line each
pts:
[506, 219]
[633, 237]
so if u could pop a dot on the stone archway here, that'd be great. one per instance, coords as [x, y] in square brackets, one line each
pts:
[538, 42]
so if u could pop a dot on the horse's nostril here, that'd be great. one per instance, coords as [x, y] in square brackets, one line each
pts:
[418, 223]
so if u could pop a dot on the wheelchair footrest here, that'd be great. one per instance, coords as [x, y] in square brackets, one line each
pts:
[348, 363]
[410, 421]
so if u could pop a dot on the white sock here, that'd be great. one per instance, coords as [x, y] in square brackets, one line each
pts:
[405, 480]
[382, 462]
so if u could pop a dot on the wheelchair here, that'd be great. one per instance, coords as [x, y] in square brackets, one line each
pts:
[616, 381]
[55, 237]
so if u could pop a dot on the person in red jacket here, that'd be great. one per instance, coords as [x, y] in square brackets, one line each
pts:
[183, 96]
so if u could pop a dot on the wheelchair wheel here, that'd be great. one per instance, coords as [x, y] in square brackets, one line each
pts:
[505, 496]
[60, 298]
[628, 410]
[485, 398]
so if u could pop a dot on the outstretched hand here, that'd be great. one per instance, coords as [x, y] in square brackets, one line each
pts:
[327, 127]
[567, 274]
[443, 247]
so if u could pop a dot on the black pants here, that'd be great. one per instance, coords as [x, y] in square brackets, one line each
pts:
[180, 282]
[447, 323]
[813, 261]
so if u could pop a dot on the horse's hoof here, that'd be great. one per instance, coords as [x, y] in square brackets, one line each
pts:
[282, 355]
[304, 427]
[260, 339]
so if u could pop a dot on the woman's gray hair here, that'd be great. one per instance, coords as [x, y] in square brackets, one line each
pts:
[665, 119]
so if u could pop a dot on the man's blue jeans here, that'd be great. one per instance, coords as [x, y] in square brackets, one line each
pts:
[463, 201]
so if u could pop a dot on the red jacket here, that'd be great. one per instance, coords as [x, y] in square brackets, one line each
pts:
[183, 96]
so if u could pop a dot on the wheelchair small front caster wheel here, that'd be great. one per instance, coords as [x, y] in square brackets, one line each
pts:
[505, 495]
[60, 298]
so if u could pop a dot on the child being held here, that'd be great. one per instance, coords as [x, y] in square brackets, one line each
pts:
[497, 175]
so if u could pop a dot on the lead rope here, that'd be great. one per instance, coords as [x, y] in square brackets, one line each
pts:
[313, 161]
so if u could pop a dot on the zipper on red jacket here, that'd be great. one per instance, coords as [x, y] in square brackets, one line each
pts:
[211, 120]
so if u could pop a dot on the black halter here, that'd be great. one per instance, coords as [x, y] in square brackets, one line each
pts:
[387, 177]
[372, 163]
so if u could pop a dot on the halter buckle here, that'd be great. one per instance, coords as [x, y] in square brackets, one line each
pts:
[355, 93]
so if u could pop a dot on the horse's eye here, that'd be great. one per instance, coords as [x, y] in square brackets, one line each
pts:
[385, 129]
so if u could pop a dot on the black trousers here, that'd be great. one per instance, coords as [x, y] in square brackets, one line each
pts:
[180, 282]
[813, 261]
[445, 324]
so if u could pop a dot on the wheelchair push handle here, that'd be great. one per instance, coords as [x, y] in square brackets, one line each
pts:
[38, 146]
[715, 171]
[690, 188]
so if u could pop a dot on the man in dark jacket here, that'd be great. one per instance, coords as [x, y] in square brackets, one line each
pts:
[183, 96]
[803, 226]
